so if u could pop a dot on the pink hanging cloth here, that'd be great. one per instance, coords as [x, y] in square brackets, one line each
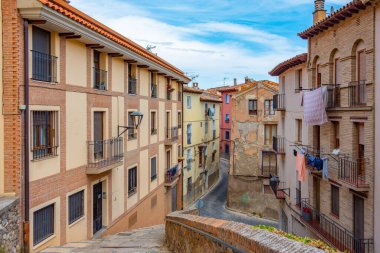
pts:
[301, 167]
[314, 112]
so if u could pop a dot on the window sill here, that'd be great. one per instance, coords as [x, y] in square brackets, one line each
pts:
[153, 179]
[44, 241]
[132, 94]
[132, 193]
[132, 138]
[45, 82]
[76, 222]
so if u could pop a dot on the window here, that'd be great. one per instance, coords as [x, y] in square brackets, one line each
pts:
[227, 135]
[206, 127]
[227, 99]
[153, 126]
[132, 181]
[153, 85]
[335, 200]
[299, 80]
[131, 132]
[153, 168]
[252, 107]
[179, 151]
[188, 133]
[132, 82]
[200, 149]
[168, 159]
[100, 75]
[227, 118]
[188, 159]
[189, 184]
[179, 120]
[45, 134]
[44, 65]
[206, 109]
[270, 131]
[268, 107]
[336, 132]
[227, 149]
[188, 102]
[43, 224]
[362, 68]
[76, 206]
[299, 130]
[213, 151]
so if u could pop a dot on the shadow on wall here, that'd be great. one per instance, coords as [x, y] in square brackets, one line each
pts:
[251, 195]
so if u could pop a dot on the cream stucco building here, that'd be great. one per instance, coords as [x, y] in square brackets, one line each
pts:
[200, 142]
[102, 120]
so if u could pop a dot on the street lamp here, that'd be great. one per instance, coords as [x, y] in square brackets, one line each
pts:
[136, 118]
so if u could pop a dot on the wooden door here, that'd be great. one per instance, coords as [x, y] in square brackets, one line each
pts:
[41, 54]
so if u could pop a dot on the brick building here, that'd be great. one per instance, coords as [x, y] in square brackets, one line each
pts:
[253, 161]
[200, 142]
[101, 117]
[339, 203]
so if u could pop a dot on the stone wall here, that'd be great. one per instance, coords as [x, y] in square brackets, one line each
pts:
[9, 225]
[187, 233]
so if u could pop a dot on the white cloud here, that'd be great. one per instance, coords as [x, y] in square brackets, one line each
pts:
[183, 46]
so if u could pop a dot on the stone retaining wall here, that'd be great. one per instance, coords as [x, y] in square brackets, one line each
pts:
[9, 225]
[181, 237]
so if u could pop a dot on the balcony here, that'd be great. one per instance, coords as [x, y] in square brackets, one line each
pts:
[279, 189]
[104, 155]
[333, 233]
[333, 95]
[132, 86]
[171, 176]
[352, 173]
[44, 67]
[153, 89]
[357, 93]
[100, 79]
[279, 102]
[279, 145]
[171, 135]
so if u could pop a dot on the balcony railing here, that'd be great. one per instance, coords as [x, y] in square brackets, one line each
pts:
[43, 152]
[100, 79]
[104, 153]
[333, 95]
[352, 172]
[279, 189]
[279, 144]
[279, 102]
[171, 134]
[132, 85]
[153, 89]
[44, 67]
[332, 232]
[171, 175]
[357, 93]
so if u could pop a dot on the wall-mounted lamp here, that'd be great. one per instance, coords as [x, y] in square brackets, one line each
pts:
[136, 118]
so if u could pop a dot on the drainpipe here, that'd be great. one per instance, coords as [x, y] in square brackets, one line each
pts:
[183, 144]
[26, 140]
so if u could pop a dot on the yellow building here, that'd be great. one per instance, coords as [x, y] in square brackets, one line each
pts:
[200, 142]
[91, 170]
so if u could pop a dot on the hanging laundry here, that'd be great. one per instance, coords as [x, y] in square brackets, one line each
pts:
[301, 167]
[314, 108]
[336, 151]
[315, 162]
[325, 173]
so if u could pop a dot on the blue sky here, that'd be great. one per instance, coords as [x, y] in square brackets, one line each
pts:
[219, 40]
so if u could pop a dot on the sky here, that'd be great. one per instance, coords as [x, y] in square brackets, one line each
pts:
[216, 40]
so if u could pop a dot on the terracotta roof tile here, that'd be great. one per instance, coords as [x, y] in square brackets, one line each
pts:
[292, 62]
[192, 90]
[69, 11]
[336, 17]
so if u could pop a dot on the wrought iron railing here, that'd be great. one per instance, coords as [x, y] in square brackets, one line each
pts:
[44, 67]
[153, 90]
[43, 152]
[333, 232]
[353, 172]
[105, 152]
[171, 175]
[279, 189]
[298, 197]
[279, 102]
[333, 95]
[100, 79]
[357, 93]
[132, 85]
[171, 134]
[279, 144]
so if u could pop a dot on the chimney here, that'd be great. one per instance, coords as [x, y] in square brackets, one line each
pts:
[319, 12]
[235, 81]
[195, 85]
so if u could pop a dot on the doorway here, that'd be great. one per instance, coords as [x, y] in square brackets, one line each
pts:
[174, 198]
[358, 223]
[97, 207]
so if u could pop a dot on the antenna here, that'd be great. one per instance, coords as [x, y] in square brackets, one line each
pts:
[150, 47]
[224, 80]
